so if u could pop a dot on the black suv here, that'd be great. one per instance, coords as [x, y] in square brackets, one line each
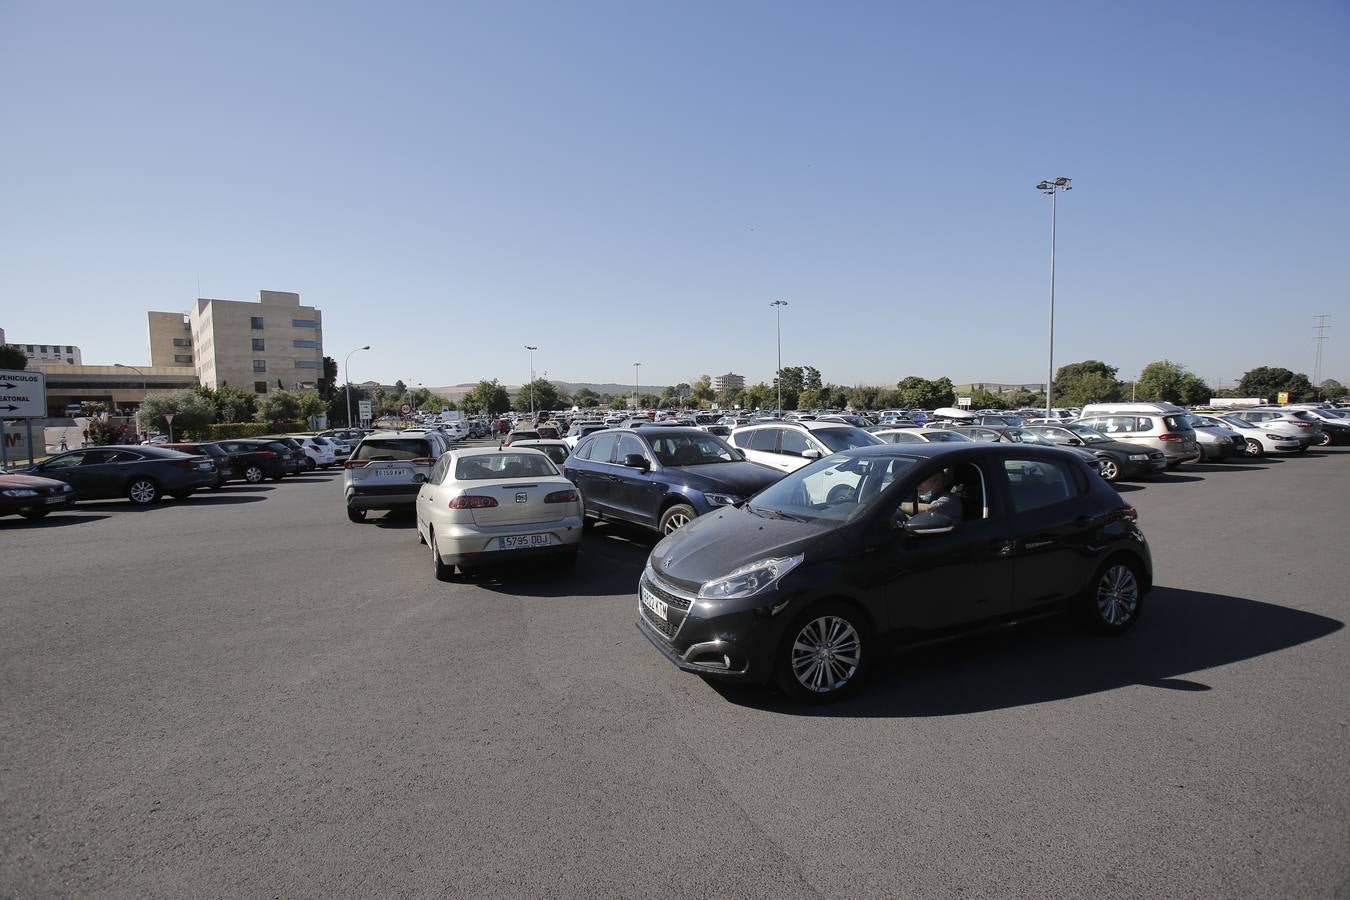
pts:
[812, 579]
[660, 476]
[255, 460]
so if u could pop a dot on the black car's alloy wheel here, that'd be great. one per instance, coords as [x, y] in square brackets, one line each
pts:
[824, 653]
[1324, 440]
[254, 475]
[1117, 596]
[1110, 469]
[142, 491]
[675, 518]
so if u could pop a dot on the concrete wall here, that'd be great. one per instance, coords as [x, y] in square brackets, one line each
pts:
[165, 329]
[224, 336]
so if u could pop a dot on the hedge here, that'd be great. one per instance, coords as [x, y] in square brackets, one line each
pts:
[222, 430]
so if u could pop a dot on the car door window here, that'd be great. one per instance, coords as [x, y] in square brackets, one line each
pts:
[794, 443]
[957, 492]
[602, 449]
[1143, 423]
[765, 440]
[69, 461]
[630, 445]
[1037, 483]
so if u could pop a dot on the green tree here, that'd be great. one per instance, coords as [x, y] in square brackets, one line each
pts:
[982, 399]
[1269, 381]
[808, 398]
[617, 403]
[337, 405]
[759, 396]
[586, 398]
[729, 397]
[702, 388]
[190, 410]
[925, 394]
[279, 408]
[541, 392]
[811, 380]
[791, 380]
[1089, 381]
[328, 383]
[311, 404]
[232, 404]
[12, 357]
[486, 398]
[1331, 389]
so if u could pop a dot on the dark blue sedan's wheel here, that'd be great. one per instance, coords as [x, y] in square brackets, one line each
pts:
[675, 518]
[142, 491]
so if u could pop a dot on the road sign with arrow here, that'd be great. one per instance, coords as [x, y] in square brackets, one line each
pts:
[23, 395]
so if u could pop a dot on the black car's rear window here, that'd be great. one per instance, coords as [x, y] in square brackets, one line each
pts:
[393, 448]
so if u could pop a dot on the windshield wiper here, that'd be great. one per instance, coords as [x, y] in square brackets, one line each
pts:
[774, 513]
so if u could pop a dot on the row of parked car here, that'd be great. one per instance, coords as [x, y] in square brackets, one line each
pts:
[797, 552]
[147, 473]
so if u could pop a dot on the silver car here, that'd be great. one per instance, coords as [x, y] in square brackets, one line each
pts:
[386, 470]
[1217, 441]
[1166, 431]
[1260, 441]
[1284, 421]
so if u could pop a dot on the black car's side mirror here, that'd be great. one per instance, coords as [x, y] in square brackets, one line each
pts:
[1075, 442]
[928, 523]
[636, 461]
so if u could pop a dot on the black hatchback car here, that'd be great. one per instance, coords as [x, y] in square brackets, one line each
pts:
[661, 476]
[811, 580]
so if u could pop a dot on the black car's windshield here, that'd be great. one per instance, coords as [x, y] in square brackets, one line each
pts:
[831, 490]
[838, 439]
[1089, 435]
[691, 449]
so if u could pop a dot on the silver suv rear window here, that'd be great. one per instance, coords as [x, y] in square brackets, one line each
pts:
[393, 448]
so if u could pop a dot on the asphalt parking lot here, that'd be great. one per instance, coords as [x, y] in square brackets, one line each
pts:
[244, 694]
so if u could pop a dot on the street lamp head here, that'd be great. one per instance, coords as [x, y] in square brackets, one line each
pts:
[528, 347]
[1062, 182]
[366, 347]
[778, 303]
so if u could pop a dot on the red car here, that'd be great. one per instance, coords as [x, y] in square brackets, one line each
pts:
[33, 497]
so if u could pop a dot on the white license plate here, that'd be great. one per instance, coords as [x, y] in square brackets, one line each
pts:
[54, 500]
[654, 603]
[523, 541]
[394, 473]
[203, 465]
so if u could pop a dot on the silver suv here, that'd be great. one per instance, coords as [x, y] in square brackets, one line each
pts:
[387, 469]
[1293, 422]
[1169, 432]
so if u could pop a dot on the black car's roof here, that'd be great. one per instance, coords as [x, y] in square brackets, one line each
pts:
[998, 450]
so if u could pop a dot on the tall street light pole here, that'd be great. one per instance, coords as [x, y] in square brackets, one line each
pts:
[531, 387]
[346, 376]
[1052, 187]
[778, 377]
[637, 391]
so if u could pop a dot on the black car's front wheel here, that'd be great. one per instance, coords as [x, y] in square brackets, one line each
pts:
[1116, 597]
[824, 653]
[356, 515]
[254, 474]
[1324, 440]
[1110, 469]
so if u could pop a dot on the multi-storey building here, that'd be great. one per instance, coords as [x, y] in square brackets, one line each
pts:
[273, 342]
[61, 354]
[170, 339]
[728, 382]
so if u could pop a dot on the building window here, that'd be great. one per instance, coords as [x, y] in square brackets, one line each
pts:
[307, 364]
[71, 360]
[307, 345]
[304, 323]
[255, 322]
[43, 348]
[30, 349]
[180, 342]
[258, 345]
[260, 387]
[260, 365]
[184, 360]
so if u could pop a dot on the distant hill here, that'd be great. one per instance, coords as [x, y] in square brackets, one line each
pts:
[456, 391]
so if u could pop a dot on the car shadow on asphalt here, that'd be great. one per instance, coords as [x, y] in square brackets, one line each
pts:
[237, 488]
[1180, 634]
[56, 519]
[609, 563]
[1224, 467]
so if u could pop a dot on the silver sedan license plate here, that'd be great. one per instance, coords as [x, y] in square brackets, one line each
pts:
[654, 603]
[523, 541]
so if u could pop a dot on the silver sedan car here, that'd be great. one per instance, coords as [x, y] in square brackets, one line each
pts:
[505, 505]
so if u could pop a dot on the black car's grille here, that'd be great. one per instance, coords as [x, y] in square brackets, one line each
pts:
[677, 608]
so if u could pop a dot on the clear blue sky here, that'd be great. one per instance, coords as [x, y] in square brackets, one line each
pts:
[620, 182]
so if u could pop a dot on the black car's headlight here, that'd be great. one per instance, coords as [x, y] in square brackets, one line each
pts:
[749, 579]
[19, 492]
[722, 499]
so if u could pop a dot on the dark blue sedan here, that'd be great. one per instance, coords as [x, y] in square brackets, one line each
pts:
[661, 477]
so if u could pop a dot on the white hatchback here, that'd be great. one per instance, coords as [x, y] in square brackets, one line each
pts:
[497, 506]
[787, 446]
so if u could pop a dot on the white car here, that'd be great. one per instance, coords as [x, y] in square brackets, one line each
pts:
[341, 449]
[787, 446]
[318, 454]
[921, 436]
[1259, 441]
[483, 506]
